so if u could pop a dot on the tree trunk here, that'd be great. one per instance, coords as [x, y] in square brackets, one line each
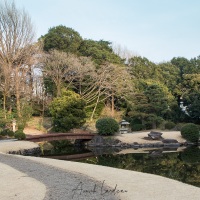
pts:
[112, 105]
[17, 94]
[4, 105]
[18, 105]
[154, 125]
[58, 90]
[91, 118]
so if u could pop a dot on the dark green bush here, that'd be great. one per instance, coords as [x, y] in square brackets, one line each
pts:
[148, 126]
[190, 132]
[67, 112]
[10, 133]
[7, 132]
[107, 126]
[137, 127]
[3, 132]
[169, 125]
[20, 135]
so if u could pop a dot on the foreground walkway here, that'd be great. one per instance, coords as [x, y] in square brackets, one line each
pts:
[24, 179]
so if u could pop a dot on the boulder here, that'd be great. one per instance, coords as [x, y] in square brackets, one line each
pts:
[155, 135]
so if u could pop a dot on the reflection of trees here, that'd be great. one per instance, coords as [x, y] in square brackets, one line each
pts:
[64, 147]
[191, 155]
[171, 165]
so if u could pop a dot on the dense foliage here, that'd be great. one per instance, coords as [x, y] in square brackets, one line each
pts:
[67, 112]
[62, 38]
[190, 132]
[107, 126]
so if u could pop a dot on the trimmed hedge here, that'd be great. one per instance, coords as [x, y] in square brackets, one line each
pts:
[107, 126]
[190, 132]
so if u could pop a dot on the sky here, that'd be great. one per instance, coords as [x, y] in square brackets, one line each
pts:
[156, 29]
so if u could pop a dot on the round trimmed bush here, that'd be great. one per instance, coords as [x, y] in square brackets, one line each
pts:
[169, 125]
[107, 126]
[190, 132]
[20, 135]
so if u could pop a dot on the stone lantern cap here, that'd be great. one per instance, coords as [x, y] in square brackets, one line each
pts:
[124, 122]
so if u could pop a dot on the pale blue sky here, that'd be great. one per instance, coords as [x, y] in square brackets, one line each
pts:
[156, 29]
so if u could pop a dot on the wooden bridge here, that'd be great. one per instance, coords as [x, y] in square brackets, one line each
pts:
[60, 136]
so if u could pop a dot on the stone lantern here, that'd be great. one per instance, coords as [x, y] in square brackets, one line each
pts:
[124, 126]
[14, 125]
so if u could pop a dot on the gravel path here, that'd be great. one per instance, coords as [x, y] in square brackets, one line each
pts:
[60, 184]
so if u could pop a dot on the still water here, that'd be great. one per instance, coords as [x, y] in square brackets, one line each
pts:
[183, 166]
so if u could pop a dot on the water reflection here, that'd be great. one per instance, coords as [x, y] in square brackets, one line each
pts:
[179, 164]
[182, 166]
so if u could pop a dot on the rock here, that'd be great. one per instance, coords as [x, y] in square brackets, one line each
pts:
[155, 135]
[97, 141]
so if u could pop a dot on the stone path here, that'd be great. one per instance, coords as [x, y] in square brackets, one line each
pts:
[60, 184]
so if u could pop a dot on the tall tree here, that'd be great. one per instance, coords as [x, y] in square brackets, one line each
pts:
[100, 51]
[62, 38]
[16, 47]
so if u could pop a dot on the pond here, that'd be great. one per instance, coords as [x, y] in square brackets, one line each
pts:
[181, 165]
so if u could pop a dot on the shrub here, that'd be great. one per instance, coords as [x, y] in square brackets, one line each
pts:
[67, 112]
[7, 132]
[190, 132]
[20, 135]
[169, 125]
[107, 126]
[10, 133]
[137, 127]
[3, 132]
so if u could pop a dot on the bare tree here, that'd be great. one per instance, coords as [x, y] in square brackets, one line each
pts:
[16, 48]
[117, 83]
[123, 52]
[5, 83]
[58, 66]
[111, 81]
